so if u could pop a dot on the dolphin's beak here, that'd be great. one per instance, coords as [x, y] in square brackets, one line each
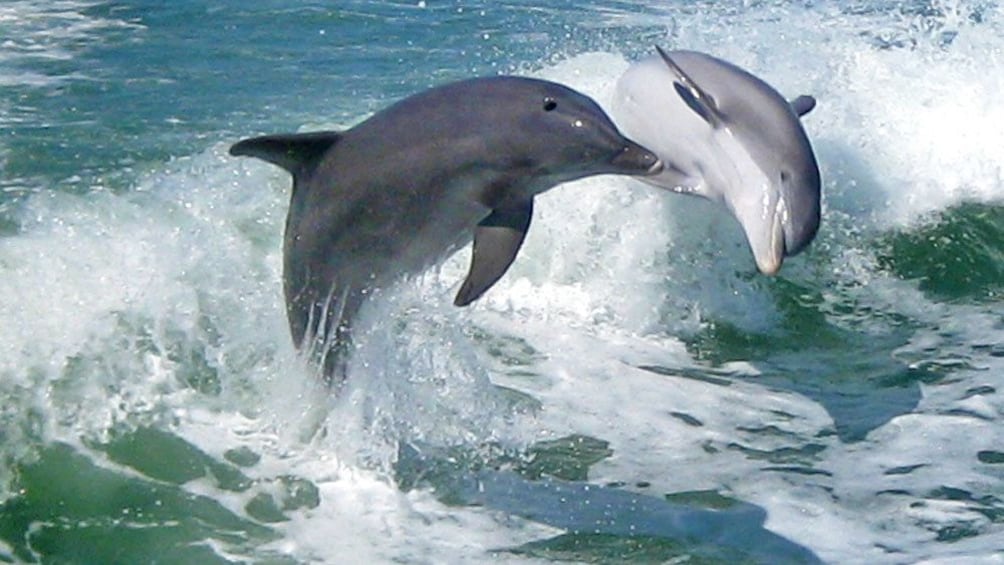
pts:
[769, 257]
[764, 231]
[634, 159]
[778, 229]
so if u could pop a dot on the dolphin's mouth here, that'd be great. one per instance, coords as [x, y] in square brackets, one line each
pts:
[634, 159]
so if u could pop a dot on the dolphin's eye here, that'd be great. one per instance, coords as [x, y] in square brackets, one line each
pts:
[549, 104]
[784, 176]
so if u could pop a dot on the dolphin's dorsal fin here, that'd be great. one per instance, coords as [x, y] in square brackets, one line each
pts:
[693, 96]
[803, 105]
[496, 241]
[295, 152]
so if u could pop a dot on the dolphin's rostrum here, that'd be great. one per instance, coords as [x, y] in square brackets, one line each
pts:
[398, 192]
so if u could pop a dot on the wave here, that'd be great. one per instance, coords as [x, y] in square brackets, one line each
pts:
[39, 33]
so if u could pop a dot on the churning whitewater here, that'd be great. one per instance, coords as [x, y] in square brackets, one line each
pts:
[632, 390]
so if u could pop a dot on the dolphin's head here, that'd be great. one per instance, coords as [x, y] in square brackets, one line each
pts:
[563, 135]
[799, 184]
[726, 135]
[778, 202]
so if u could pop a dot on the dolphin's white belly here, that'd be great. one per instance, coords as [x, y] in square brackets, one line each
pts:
[699, 160]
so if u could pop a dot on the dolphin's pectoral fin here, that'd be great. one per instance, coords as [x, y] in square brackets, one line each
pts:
[294, 152]
[496, 242]
[693, 95]
[803, 105]
[694, 104]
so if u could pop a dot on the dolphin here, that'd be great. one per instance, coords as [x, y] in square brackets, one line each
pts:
[728, 136]
[400, 191]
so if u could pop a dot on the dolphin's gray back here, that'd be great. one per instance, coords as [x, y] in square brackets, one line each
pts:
[346, 185]
[751, 105]
[756, 111]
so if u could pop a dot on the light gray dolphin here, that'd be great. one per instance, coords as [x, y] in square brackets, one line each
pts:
[400, 191]
[726, 135]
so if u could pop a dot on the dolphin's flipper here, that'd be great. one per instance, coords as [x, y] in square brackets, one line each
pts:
[696, 98]
[496, 242]
[803, 105]
[295, 152]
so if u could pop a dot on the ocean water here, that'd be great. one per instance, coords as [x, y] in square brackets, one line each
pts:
[631, 391]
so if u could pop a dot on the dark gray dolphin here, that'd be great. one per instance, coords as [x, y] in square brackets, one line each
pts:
[397, 193]
[727, 135]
